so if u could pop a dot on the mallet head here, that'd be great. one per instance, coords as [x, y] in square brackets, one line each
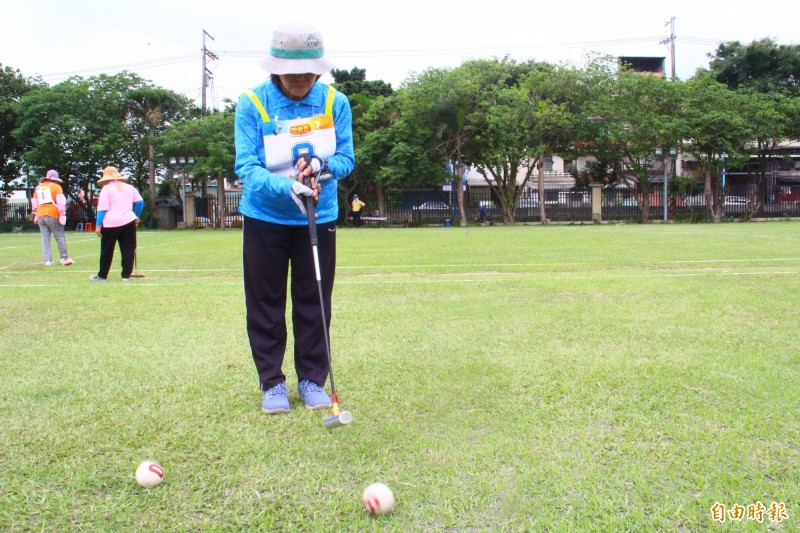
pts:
[337, 421]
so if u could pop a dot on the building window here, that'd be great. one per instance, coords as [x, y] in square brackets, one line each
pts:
[548, 163]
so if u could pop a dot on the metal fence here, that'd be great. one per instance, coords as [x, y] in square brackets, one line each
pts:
[431, 206]
[435, 206]
[206, 212]
[739, 202]
[14, 212]
[19, 212]
[426, 206]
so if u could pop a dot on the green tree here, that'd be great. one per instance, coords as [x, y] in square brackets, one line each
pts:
[768, 75]
[210, 140]
[554, 98]
[377, 133]
[355, 81]
[81, 125]
[763, 65]
[629, 121]
[478, 113]
[773, 119]
[150, 110]
[500, 123]
[362, 95]
[437, 104]
[13, 86]
[395, 149]
[518, 118]
[590, 132]
[716, 130]
[76, 127]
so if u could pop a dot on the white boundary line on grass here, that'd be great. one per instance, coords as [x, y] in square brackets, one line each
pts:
[450, 265]
[725, 260]
[475, 277]
[572, 263]
[453, 265]
[56, 269]
[566, 277]
[138, 283]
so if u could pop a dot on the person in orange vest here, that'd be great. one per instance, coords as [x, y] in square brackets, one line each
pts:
[50, 213]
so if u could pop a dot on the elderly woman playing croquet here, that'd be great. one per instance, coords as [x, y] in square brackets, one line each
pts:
[287, 128]
[118, 210]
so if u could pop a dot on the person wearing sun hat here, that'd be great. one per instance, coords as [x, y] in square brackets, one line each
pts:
[291, 114]
[50, 213]
[118, 210]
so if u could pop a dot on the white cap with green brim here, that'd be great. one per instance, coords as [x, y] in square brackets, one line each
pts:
[296, 50]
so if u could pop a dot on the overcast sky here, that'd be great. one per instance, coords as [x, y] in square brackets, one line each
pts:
[162, 40]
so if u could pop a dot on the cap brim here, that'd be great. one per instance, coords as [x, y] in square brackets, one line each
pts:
[274, 65]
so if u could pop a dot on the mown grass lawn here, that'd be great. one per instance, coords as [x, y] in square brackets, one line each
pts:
[565, 378]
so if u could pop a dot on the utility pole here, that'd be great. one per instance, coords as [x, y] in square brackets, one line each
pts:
[676, 170]
[206, 72]
[670, 42]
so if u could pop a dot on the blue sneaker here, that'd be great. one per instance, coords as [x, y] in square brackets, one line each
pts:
[275, 400]
[314, 395]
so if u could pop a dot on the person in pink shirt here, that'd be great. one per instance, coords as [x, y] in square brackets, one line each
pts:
[118, 210]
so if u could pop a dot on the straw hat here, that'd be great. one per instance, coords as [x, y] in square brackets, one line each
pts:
[111, 174]
[296, 49]
[52, 175]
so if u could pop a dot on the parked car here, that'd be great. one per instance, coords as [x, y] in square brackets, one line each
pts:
[231, 221]
[696, 200]
[629, 202]
[728, 201]
[488, 204]
[432, 205]
[529, 203]
[736, 204]
[736, 200]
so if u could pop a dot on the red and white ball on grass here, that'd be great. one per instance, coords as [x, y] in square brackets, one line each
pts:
[378, 499]
[149, 474]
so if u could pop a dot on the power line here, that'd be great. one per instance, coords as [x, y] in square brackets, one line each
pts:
[154, 63]
[185, 58]
[701, 40]
[439, 51]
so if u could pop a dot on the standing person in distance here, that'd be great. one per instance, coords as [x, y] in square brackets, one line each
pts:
[50, 212]
[118, 210]
[356, 205]
[290, 115]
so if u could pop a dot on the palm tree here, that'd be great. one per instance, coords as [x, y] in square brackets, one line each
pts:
[155, 108]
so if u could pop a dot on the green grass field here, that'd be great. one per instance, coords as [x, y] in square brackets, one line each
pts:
[563, 378]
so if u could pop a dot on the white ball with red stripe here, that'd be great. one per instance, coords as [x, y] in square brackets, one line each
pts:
[378, 499]
[149, 474]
